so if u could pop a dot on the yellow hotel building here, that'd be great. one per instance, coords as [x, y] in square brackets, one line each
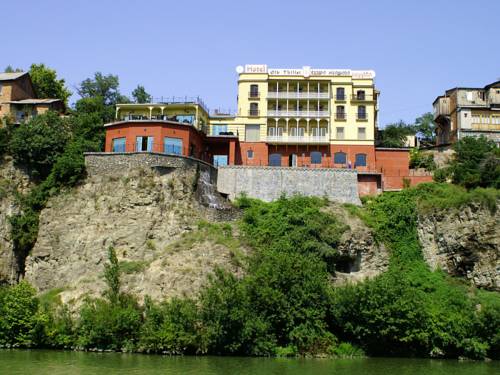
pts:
[306, 116]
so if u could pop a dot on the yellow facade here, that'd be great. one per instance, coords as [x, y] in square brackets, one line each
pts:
[303, 106]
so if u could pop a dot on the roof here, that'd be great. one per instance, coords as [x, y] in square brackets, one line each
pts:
[494, 84]
[11, 76]
[34, 101]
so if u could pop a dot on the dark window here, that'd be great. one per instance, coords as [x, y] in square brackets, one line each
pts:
[254, 91]
[340, 93]
[360, 160]
[250, 154]
[275, 160]
[360, 95]
[254, 109]
[340, 114]
[362, 112]
[315, 157]
[144, 144]
[339, 158]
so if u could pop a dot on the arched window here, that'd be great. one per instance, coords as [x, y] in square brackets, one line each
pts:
[275, 160]
[360, 95]
[360, 160]
[315, 157]
[339, 158]
[340, 93]
[254, 91]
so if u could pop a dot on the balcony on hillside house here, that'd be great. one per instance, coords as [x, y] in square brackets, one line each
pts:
[441, 107]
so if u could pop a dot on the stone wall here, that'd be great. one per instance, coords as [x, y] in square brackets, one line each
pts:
[269, 183]
[103, 163]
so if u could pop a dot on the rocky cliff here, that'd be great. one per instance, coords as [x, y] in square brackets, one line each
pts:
[464, 242]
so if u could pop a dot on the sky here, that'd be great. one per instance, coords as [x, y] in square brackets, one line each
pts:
[417, 48]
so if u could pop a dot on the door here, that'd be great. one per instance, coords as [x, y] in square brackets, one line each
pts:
[275, 160]
[292, 160]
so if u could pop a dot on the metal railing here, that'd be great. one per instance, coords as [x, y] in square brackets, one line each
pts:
[362, 97]
[298, 138]
[253, 112]
[340, 97]
[158, 117]
[280, 113]
[254, 95]
[340, 116]
[297, 95]
[361, 116]
[179, 100]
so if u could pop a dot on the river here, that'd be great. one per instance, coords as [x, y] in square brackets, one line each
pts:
[41, 362]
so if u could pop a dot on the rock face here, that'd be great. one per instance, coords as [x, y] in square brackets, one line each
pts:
[464, 242]
[11, 180]
[361, 256]
[141, 213]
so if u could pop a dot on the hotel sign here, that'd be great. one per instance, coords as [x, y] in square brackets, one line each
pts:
[307, 71]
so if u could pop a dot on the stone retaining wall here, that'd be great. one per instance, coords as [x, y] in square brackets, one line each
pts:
[269, 183]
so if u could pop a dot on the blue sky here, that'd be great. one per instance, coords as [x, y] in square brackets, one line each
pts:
[417, 48]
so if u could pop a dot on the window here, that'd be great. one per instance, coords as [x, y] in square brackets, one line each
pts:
[297, 132]
[340, 93]
[220, 160]
[319, 132]
[360, 160]
[361, 112]
[340, 133]
[172, 146]
[254, 91]
[361, 133]
[339, 158]
[249, 154]
[185, 119]
[340, 114]
[315, 157]
[274, 132]
[252, 133]
[0, 89]
[144, 144]
[254, 109]
[360, 95]
[275, 160]
[218, 129]
[119, 144]
[469, 96]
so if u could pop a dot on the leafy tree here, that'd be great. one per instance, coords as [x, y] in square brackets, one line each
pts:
[140, 95]
[426, 128]
[394, 135]
[46, 84]
[476, 162]
[101, 86]
[39, 142]
[10, 69]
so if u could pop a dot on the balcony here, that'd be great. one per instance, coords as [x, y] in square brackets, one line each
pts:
[340, 116]
[297, 95]
[441, 107]
[362, 98]
[361, 116]
[253, 95]
[311, 114]
[253, 113]
[340, 98]
[301, 139]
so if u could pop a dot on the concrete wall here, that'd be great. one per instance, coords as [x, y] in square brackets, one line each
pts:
[269, 183]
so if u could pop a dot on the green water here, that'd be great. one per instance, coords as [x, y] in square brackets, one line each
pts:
[56, 362]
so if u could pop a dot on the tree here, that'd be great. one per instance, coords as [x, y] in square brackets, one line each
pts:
[476, 162]
[101, 86]
[46, 84]
[10, 69]
[38, 143]
[425, 128]
[394, 135]
[140, 95]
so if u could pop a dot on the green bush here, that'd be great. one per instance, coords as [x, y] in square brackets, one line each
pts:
[420, 160]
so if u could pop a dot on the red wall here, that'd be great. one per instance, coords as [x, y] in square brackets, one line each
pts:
[260, 153]
[394, 164]
[351, 151]
[191, 138]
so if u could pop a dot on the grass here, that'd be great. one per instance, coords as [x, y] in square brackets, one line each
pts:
[132, 266]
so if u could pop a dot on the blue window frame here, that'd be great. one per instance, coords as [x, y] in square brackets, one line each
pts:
[220, 160]
[360, 160]
[172, 146]
[144, 144]
[340, 158]
[217, 129]
[315, 157]
[275, 160]
[119, 144]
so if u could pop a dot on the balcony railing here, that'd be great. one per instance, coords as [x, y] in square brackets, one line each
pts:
[302, 139]
[297, 95]
[254, 95]
[253, 113]
[340, 116]
[362, 97]
[361, 116]
[280, 113]
[340, 97]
